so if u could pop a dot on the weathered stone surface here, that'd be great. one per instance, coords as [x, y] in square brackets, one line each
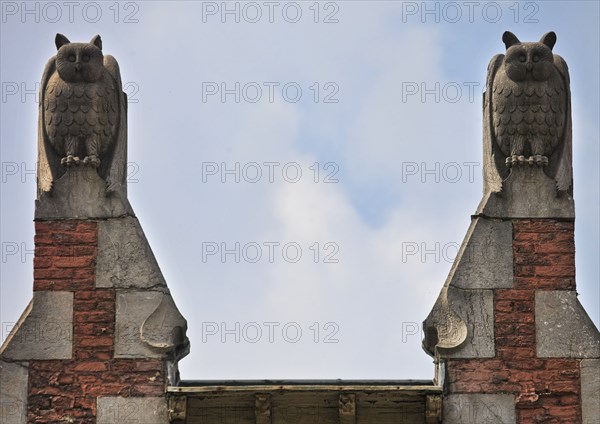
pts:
[443, 328]
[142, 410]
[44, 331]
[479, 408]
[563, 328]
[527, 193]
[81, 193]
[476, 309]
[125, 259]
[133, 308]
[165, 328]
[590, 391]
[485, 259]
[463, 322]
[149, 325]
[13, 392]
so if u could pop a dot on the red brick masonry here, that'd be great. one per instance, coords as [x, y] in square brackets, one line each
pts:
[65, 260]
[547, 390]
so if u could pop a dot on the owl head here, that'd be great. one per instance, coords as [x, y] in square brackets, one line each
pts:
[529, 61]
[79, 62]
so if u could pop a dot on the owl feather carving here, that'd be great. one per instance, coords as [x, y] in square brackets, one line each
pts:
[82, 115]
[527, 112]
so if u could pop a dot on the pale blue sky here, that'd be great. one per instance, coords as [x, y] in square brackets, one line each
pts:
[376, 136]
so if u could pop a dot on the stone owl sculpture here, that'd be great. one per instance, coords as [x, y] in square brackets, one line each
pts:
[82, 119]
[527, 112]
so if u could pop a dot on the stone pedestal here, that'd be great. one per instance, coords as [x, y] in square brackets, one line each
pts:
[512, 342]
[101, 338]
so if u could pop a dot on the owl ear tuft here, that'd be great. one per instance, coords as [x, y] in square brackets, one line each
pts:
[97, 41]
[549, 39]
[60, 41]
[509, 39]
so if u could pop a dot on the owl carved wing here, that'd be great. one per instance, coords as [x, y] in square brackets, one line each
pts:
[561, 162]
[114, 163]
[114, 166]
[493, 160]
[49, 168]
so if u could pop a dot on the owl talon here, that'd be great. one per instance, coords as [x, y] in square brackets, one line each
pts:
[70, 160]
[538, 160]
[513, 160]
[92, 160]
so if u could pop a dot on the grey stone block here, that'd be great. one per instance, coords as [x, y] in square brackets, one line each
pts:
[81, 193]
[132, 410]
[479, 409]
[527, 193]
[461, 324]
[443, 328]
[485, 259]
[149, 325]
[13, 392]
[133, 308]
[44, 331]
[476, 309]
[563, 328]
[125, 259]
[590, 391]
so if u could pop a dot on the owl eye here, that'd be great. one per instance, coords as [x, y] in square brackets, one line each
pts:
[86, 58]
[522, 58]
[71, 58]
[536, 58]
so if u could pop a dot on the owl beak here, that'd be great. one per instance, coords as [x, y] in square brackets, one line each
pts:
[77, 67]
[529, 66]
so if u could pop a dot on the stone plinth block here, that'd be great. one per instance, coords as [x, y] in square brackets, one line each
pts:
[81, 194]
[479, 408]
[527, 193]
[485, 259]
[461, 324]
[590, 391]
[563, 328]
[13, 392]
[476, 310]
[142, 410]
[44, 331]
[125, 259]
[149, 325]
